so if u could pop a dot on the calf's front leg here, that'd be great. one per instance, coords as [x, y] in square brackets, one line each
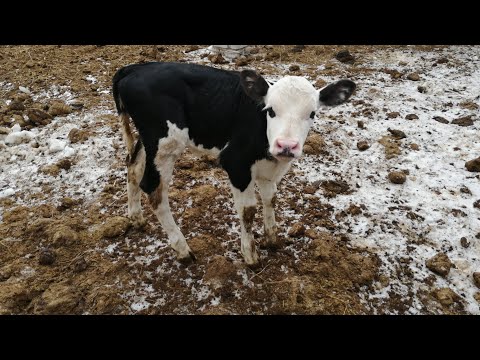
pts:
[246, 206]
[267, 191]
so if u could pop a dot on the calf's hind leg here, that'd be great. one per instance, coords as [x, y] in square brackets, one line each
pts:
[135, 170]
[169, 149]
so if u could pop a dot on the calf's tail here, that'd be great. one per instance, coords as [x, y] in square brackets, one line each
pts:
[122, 112]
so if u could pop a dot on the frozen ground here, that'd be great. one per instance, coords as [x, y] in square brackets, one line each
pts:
[404, 225]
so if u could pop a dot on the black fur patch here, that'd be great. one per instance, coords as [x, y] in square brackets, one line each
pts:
[211, 103]
[337, 93]
[136, 150]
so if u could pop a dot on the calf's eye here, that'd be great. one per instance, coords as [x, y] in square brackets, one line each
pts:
[312, 115]
[271, 113]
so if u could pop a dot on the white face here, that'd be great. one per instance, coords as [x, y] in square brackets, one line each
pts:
[291, 104]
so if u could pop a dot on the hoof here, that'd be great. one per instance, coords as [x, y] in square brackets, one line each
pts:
[272, 241]
[187, 260]
[255, 266]
[274, 246]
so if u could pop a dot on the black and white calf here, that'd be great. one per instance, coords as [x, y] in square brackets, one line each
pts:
[255, 128]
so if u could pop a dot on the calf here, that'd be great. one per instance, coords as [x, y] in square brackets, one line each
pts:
[256, 129]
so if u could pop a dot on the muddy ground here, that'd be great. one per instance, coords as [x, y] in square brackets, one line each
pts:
[67, 248]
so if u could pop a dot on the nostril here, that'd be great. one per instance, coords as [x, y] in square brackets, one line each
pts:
[286, 145]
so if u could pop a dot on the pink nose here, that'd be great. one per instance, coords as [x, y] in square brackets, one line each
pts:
[286, 145]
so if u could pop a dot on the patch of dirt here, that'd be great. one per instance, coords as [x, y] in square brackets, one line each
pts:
[441, 120]
[78, 135]
[333, 188]
[392, 146]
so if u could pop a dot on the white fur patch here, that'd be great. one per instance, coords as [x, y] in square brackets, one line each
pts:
[174, 143]
[293, 99]
[270, 170]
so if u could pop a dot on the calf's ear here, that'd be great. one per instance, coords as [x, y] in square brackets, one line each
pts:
[253, 84]
[337, 93]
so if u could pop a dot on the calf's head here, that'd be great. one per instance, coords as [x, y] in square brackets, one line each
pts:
[291, 104]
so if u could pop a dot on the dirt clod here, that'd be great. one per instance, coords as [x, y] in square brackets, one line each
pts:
[115, 226]
[217, 59]
[293, 68]
[362, 145]
[66, 203]
[333, 188]
[354, 210]
[38, 117]
[464, 242]
[46, 257]
[446, 296]
[413, 77]
[78, 135]
[16, 105]
[298, 48]
[314, 145]
[397, 134]
[411, 117]
[297, 230]
[469, 105]
[59, 108]
[204, 245]
[64, 236]
[473, 165]
[397, 177]
[442, 60]
[320, 83]
[272, 55]
[441, 120]
[440, 264]
[242, 61]
[59, 298]
[393, 115]
[64, 164]
[344, 56]
[219, 270]
[476, 296]
[52, 170]
[463, 121]
[476, 279]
